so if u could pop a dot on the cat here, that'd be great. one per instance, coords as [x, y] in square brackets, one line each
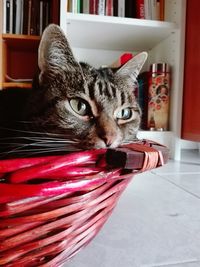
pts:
[71, 105]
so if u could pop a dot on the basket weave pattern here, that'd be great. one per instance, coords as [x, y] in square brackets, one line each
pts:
[47, 215]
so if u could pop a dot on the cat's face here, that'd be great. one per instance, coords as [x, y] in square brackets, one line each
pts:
[97, 106]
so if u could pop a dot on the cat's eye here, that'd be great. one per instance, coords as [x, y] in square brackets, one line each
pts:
[80, 106]
[124, 114]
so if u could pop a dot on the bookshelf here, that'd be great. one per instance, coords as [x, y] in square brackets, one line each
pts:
[18, 61]
[99, 40]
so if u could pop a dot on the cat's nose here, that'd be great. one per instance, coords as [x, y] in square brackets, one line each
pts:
[108, 140]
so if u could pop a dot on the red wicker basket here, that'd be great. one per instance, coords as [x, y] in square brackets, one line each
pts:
[52, 206]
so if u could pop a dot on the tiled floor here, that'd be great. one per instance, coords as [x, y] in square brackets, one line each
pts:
[156, 222]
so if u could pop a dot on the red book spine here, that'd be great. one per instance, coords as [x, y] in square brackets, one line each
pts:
[94, 7]
[140, 13]
[109, 7]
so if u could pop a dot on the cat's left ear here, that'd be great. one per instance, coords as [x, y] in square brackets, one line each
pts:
[55, 56]
[132, 68]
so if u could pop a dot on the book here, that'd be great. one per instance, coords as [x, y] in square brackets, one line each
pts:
[121, 8]
[29, 17]
[109, 8]
[41, 27]
[14, 16]
[18, 18]
[115, 8]
[140, 10]
[34, 20]
[11, 16]
[54, 16]
[72, 6]
[162, 10]
[147, 9]
[46, 11]
[101, 7]
[94, 7]
[86, 6]
[22, 16]
[130, 9]
[6, 16]
[155, 10]
[25, 17]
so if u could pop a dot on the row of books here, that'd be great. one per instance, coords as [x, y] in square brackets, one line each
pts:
[141, 9]
[25, 16]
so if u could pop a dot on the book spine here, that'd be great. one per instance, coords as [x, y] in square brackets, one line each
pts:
[147, 9]
[155, 9]
[14, 16]
[18, 17]
[115, 8]
[29, 16]
[130, 9]
[11, 16]
[94, 7]
[78, 6]
[21, 16]
[86, 6]
[41, 17]
[47, 13]
[121, 8]
[162, 10]
[81, 6]
[35, 11]
[4, 16]
[75, 6]
[101, 7]
[69, 5]
[109, 8]
[140, 12]
[25, 17]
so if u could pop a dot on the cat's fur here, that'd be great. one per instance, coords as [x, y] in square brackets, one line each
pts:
[108, 113]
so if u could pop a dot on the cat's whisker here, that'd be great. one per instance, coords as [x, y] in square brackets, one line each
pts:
[43, 133]
[32, 151]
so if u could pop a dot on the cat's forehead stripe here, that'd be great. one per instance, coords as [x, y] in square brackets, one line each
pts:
[122, 98]
[100, 87]
[113, 90]
[91, 91]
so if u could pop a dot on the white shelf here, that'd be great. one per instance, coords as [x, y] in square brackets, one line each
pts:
[100, 40]
[89, 31]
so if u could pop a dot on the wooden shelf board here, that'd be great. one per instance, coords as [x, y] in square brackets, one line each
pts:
[20, 36]
[21, 41]
[124, 33]
[7, 85]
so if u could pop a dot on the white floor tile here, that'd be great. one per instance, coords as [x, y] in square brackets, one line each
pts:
[189, 182]
[155, 224]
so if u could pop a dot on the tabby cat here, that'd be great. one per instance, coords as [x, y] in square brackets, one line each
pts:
[71, 105]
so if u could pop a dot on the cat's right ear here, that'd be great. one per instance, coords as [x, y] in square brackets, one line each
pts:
[132, 68]
[55, 56]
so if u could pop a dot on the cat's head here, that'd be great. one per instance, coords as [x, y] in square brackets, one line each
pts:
[97, 106]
